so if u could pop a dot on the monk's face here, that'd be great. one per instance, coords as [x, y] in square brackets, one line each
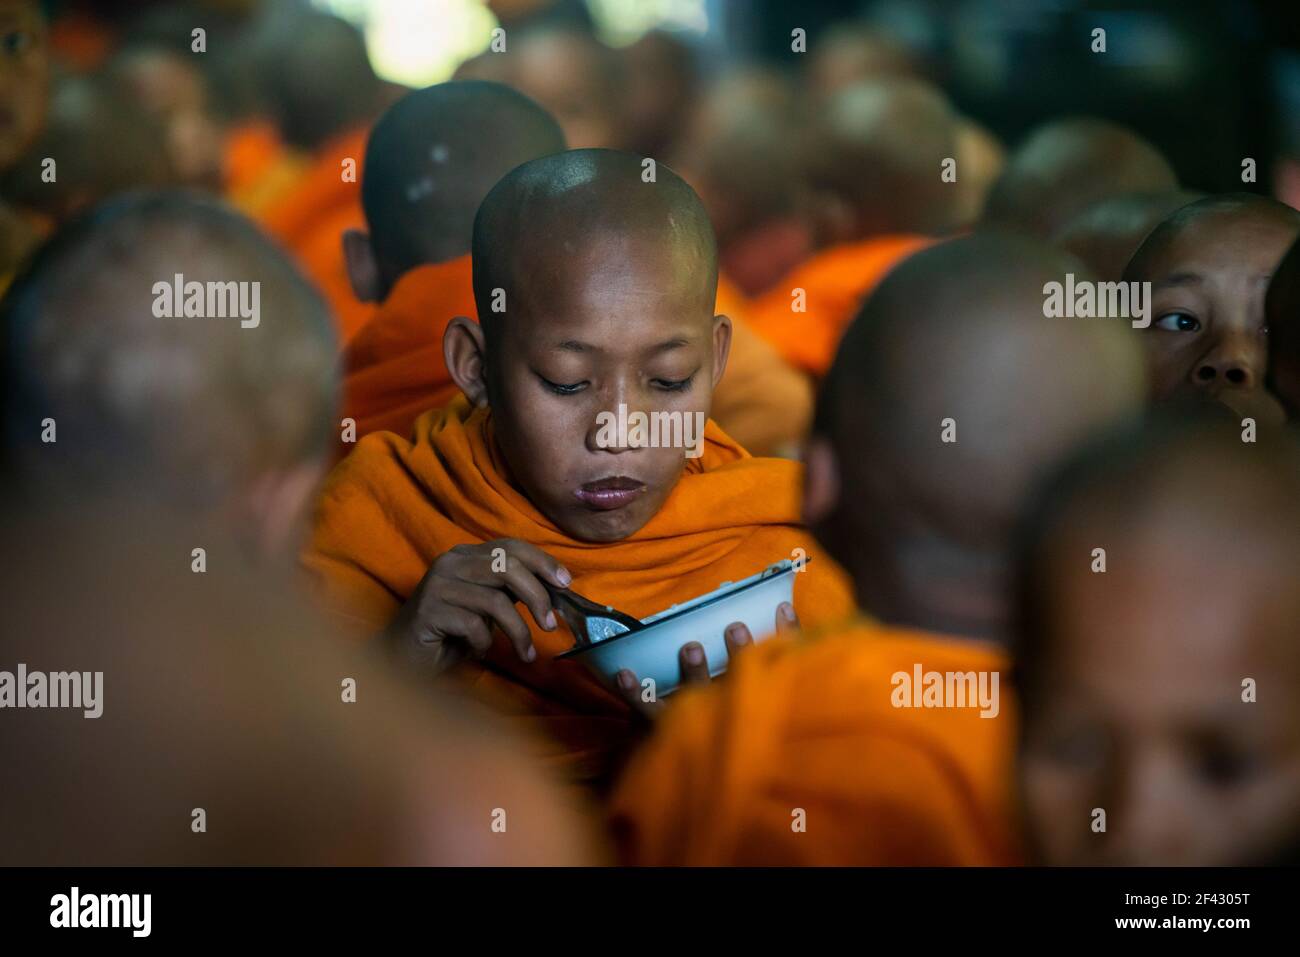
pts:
[563, 74]
[1207, 335]
[24, 78]
[594, 326]
[1140, 711]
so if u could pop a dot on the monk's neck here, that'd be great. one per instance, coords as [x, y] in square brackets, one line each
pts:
[940, 587]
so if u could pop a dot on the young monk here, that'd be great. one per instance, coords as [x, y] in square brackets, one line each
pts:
[1065, 166]
[1209, 265]
[115, 387]
[24, 100]
[231, 726]
[662, 77]
[876, 154]
[819, 751]
[430, 160]
[608, 285]
[1107, 234]
[324, 95]
[1161, 723]
[577, 79]
[1282, 313]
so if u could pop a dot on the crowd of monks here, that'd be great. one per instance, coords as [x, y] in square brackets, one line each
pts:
[315, 559]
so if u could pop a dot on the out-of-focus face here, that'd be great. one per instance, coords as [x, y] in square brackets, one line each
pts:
[609, 321]
[563, 75]
[1140, 708]
[174, 92]
[24, 78]
[1207, 335]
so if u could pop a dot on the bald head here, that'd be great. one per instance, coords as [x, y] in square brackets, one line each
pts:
[1200, 533]
[1067, 165]
[319, 80]
[192, 398]
[950, 395]
[431, 159]
[876, 152]
[1107, 234]
[535, 226]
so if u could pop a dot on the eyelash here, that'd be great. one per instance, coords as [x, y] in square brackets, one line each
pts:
[681, 385]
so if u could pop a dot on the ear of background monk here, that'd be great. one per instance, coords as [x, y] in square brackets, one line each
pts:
[395, 369]
[758, 773]
[311, 219]
[393, 506]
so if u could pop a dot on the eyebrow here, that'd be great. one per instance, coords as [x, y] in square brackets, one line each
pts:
[574, 345]
[1179, 279]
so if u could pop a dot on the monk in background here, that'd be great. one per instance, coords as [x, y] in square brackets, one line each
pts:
[324, 96]
[1067, 165]
[1145, 742]
[430, 160]
[1106, 234]
[812, 751]
[1282, 313]
[875, 155]
[1209, 265]
[609, 286]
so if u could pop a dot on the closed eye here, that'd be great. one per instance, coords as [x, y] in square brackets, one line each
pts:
[1178, 322]
[675, 385]
[560, 388]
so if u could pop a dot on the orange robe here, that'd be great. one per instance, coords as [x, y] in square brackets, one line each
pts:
[835, 282]
[394, 369]
[311, 218]
[257, 168]
[393, 506]
[810, 724]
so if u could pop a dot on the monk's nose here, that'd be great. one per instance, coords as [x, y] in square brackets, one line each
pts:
[1233, 368]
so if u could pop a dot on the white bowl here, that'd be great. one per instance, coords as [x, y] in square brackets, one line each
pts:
[652, 652]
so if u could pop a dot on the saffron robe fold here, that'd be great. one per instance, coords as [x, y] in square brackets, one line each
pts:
[799, 757]
[310, 219]
[835, 282]
[394, 505]
[394, 368]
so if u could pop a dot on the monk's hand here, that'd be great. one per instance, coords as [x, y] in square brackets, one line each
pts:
[469, 589]
[694, 664]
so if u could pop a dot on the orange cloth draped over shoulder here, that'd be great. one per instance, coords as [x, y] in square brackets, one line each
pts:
[394, 505]
[257, 168]
[835, 281]
[762, 401]
[810, 723]
[394, 368]
[310, 220]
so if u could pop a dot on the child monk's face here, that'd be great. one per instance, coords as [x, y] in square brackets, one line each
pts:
[1207, 334]
[1141, 711]
[24, 78]
[595, 325]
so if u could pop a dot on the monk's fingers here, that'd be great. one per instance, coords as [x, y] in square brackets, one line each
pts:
[695, 668]
[509, 573]
[453, 621]
[630, 690]
[540, 563]
[494, 605]
[737, 636]
[786, 620]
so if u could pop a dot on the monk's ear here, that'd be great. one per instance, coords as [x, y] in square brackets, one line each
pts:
[721, 346]
[465, 351]
[363, 268]
[821, 484]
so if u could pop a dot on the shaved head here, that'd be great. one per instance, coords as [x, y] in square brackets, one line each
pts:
[1143, 670]
[544, 211]
[877, 149]
[951, 394]
[1203, 211]
[185, 408]
[1282, 311]
[1067, 165]
[1107, 234]
[434, 155]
